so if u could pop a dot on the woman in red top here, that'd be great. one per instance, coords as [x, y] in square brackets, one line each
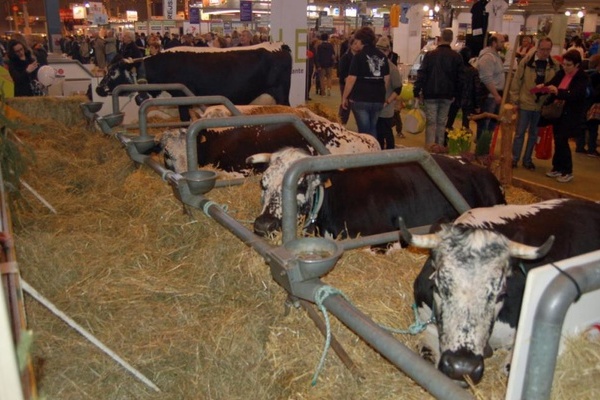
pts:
[569, 84]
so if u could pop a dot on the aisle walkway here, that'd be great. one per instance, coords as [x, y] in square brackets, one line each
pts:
[586, 170]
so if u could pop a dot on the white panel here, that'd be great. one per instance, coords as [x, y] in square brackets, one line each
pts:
[288, 25]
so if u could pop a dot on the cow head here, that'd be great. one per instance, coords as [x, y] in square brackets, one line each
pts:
[119, 73]
[272, 184]
[469, 285]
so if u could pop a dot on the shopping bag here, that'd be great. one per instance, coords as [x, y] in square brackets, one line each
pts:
[543, 146]
[414, 119]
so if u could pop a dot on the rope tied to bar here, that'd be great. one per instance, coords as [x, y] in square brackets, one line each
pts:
[212, 203]
[321, 294]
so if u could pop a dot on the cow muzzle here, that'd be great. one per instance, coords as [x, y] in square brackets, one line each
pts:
[102, 91]
[264, 225]
[457, 365]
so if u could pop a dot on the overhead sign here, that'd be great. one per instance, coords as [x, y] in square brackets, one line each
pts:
[246, 11]
[132, 16]
[169, 9]
[194, 15]
[78, 12]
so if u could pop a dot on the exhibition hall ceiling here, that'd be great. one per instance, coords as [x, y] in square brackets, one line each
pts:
[527, 6]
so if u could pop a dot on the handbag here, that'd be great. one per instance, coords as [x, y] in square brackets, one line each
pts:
[594, 112]
[553, 110]
[543, 146]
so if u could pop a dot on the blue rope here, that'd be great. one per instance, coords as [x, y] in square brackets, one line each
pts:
[212, 203]
[415, 328]
[321, 294]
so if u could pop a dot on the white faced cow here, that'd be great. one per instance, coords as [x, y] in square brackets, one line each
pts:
[473, 282]
[368, 201]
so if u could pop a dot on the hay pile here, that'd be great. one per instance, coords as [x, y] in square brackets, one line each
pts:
[181, 298]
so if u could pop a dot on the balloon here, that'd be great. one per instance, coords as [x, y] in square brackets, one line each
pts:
[46, 75]
[407, 92]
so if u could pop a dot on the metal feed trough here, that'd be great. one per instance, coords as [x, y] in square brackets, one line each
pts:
[298, 264]
[190, 99]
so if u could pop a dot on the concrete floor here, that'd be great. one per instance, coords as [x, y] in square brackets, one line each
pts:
[586, 170]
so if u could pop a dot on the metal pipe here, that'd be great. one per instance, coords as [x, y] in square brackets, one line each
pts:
[547, 326]
[181, 101]
[246, 120]
[401, 356]
[331, 162]
[149, 87]
[380, 238]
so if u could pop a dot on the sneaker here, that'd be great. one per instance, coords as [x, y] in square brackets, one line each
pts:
[530, 166]
[565, 178]
[553, 174]
[594, 154]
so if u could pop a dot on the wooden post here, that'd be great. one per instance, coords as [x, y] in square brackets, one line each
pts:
[507, 127]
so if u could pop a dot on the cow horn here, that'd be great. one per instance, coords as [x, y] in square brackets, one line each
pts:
[404, 232]
[259, 158]
[519, 250]
[425, 241]
[428, 241]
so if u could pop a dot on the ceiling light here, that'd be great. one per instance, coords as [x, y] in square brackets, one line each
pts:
[580, 14]
[568, 13]
[425, 8]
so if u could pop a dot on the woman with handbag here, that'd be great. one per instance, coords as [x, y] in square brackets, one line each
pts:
[568, 87]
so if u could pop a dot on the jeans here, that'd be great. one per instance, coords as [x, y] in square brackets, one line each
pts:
[366, 115]
[436, 114]
[487, 124]
[528, 121]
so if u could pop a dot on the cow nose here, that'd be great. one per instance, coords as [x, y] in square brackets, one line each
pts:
[463, 362]
[101, 91]
[266, 224]
[140, 98]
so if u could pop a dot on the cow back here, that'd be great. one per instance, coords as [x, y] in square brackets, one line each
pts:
[368, 201]
[239, 75]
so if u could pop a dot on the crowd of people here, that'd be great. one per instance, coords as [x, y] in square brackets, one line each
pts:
[369, 80]
[101, 46]
[24, 56]
[449, 81]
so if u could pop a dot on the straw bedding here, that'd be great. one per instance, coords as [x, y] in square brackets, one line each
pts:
[183, 300]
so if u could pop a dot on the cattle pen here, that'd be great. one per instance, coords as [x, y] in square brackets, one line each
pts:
[280, 259]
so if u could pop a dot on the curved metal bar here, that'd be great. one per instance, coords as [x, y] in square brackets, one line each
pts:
[246, 120]
[149, 87]
[547, 326]
[181, 101]
[331, 162]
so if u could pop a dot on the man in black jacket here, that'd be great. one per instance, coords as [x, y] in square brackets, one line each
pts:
[439, 81]
[324, 60]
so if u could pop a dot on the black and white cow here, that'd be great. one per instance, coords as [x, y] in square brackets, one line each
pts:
[475, 277]
[228, 148]
[242, 74]
[368, 201]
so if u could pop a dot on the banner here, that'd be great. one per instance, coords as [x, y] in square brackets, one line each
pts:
[169, 9]
[245, 11]
[194, 15]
